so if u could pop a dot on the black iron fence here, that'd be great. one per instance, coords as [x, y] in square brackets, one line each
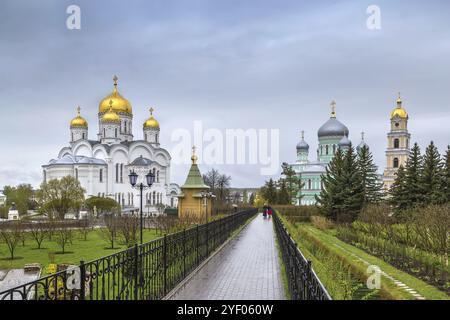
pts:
[302, 280]
[143, 272]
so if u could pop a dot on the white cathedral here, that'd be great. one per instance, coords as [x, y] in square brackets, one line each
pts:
[102, 165]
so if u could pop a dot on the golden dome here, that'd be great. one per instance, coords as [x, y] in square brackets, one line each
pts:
[151, 122]
[120, 103]
[78, 121]
[111, 115]
[399, 111]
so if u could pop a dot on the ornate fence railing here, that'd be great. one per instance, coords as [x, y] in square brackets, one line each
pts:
[302, 280]
[143, 272]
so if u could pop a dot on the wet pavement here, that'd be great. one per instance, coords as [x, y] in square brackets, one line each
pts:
[246, 268]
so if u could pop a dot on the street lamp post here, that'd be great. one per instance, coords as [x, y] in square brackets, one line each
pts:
[150, 179]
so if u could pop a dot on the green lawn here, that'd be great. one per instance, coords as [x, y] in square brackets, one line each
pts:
[334, 244]
[95, 247]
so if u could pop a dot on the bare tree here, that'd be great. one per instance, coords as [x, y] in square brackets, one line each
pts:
[128, 227]
[109, 233]
[84, 227]
[38, 231]
[63, 235]
[11, 236]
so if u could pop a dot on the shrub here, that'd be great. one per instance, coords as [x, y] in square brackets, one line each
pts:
[322, 223]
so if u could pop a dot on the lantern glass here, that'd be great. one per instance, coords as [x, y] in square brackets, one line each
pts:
[150, 178]
[133, 178]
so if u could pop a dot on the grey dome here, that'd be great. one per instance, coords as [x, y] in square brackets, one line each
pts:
[345, 142]
[141, 161]
[361, 145]
[332, 128]
[302, 146]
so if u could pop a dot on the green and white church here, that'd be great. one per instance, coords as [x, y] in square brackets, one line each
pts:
[332, 135]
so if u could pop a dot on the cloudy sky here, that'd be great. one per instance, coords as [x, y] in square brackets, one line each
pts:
[230, 63]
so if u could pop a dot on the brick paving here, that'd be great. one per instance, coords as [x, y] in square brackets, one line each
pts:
[246, 268]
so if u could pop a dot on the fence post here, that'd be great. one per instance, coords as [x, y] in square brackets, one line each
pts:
[197, 244]
[184, 253]
[135, 271]
[207, 240]
[82, 280]
[165, 263]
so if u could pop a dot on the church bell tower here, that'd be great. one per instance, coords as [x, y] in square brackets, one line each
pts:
[398, 147]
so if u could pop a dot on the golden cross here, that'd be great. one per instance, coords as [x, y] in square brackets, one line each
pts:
[78, 110]
[115, 78]
[303, 135]
[193, 150]
[333, 109]
[151, 110]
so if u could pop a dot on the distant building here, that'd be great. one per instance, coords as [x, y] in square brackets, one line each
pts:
[2, 199]
[332, 135]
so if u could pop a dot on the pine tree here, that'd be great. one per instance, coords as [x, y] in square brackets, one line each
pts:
[446, 175]
[352, 191]
[330, 199]
[369, 177]
[293, 182]
[432, 177]
[283, 196]
[413, 171]
[269, 192]
[399, 193]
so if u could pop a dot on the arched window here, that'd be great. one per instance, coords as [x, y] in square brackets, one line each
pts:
[326, 149]
[115, 132]
[321, 150]
[395, 162]
[154, 197]
[125, 124]
[334, 149]
[121, 173]
[101, 175]
[104, 132]
[72, 136]
[84, 136]
[396, 143]
[309, 184]
[157, 176]
[117, 172]
[156, 138]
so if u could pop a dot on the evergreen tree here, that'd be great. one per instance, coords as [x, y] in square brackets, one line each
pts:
[399, 193]
[352, 191]
[330, 199]
[446, 175]
[369, 177]
[269, 192]
[432, 178]
[283, 196]
[413, 171]
[293, 182]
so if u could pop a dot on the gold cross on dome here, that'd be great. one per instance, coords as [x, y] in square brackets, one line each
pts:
[115, 78]
[333, 109]
[193, 150]
[151, 110]
[78, 110]
[303, 135]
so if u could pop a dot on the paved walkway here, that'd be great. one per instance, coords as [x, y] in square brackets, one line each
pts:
[246, 268]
